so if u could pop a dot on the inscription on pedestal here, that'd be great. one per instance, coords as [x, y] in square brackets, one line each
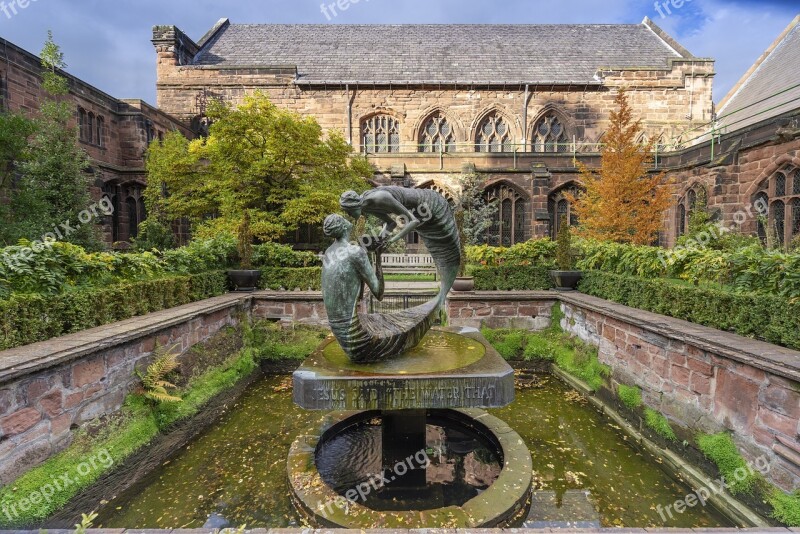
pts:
[489, 383]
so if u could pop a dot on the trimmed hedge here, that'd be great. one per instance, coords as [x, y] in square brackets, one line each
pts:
[771, 318]
[512, 278]
[291, 279]
[26, 319]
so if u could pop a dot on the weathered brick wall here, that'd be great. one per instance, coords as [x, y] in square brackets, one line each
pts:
[528, 311]
[717, 382]
[40, 408]
[119, 159]
[732, 184]
[291, 307]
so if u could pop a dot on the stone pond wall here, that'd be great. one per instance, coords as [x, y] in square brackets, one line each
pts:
[700, 378]
[49, 389]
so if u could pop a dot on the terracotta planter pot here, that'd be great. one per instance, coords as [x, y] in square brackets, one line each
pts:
[466, 283]
[566, 280]
[244, 280]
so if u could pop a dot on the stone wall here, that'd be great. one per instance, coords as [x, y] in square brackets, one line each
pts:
[291, 307]
[49, 389]
[128, 126]
[702, 379]
[525, 310]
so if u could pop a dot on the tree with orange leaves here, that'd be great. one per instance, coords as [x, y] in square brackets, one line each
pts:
[623, 201]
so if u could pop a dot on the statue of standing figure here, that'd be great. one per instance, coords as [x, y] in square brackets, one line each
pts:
[378, 337]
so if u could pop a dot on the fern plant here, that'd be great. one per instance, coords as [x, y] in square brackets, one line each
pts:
[154, 384]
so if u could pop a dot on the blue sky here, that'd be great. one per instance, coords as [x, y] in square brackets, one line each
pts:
[107, 42]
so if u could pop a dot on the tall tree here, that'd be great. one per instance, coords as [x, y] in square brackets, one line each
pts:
[478, 213]
[52, 188]
[270, 163]
[623, 201]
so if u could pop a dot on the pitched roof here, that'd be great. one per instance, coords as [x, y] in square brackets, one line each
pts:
[770, 88]
[491, 54]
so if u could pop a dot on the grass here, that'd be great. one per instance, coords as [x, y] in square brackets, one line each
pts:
[659, 424]
[786, 506]
[720, 449]
[137, 424]
[268, 341]
[631, 397]
[568, 353]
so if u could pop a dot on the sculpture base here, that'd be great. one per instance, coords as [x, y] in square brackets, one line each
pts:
[450, 368]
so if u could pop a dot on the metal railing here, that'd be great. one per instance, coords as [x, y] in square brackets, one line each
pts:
[396, 302]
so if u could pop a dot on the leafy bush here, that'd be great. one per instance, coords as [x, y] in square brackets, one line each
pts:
[26, 319]
[720, 449]
[512, 278]
[772, 318]
[535, 252]
[276, 255]
[631, 397]
[268, 341]
[659, 424]
[303, 279]
[569, 354]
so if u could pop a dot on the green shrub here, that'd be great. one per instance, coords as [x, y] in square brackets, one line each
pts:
[534, 252]
[512, 278]
[509, 343]
[539, 348]
[786, 507]
[631, 397]
[772, 318]
[720, 449]
[26, 319]
[304, 279]
[659, 424]
[268, 341]
[276, 255]
[581, 361]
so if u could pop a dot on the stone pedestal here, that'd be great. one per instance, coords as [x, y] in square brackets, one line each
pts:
[452, 370]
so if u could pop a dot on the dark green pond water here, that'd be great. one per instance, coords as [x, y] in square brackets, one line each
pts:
[236, 474]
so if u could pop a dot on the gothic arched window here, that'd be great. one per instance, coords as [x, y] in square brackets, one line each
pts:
[687, 206]
[510, 221]
[101, 126]
[90, 128]
[380, 135]
[781, 193]
[133, 217]
[494, 135]
[559, 207]
[549, 135]
[437, 135]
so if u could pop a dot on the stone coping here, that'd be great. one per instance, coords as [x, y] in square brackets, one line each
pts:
[774, 359]
[24, 360]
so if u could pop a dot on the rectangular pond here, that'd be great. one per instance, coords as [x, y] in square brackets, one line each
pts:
[586, 473]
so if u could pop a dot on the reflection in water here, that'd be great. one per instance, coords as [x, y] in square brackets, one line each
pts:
[462, 464]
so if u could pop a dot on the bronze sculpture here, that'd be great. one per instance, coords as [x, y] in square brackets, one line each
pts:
[346, 267]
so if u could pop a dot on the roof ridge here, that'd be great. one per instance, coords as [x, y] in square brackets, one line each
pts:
[762, 59]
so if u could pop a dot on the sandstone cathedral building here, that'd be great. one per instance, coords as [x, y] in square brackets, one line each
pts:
[521, 105]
